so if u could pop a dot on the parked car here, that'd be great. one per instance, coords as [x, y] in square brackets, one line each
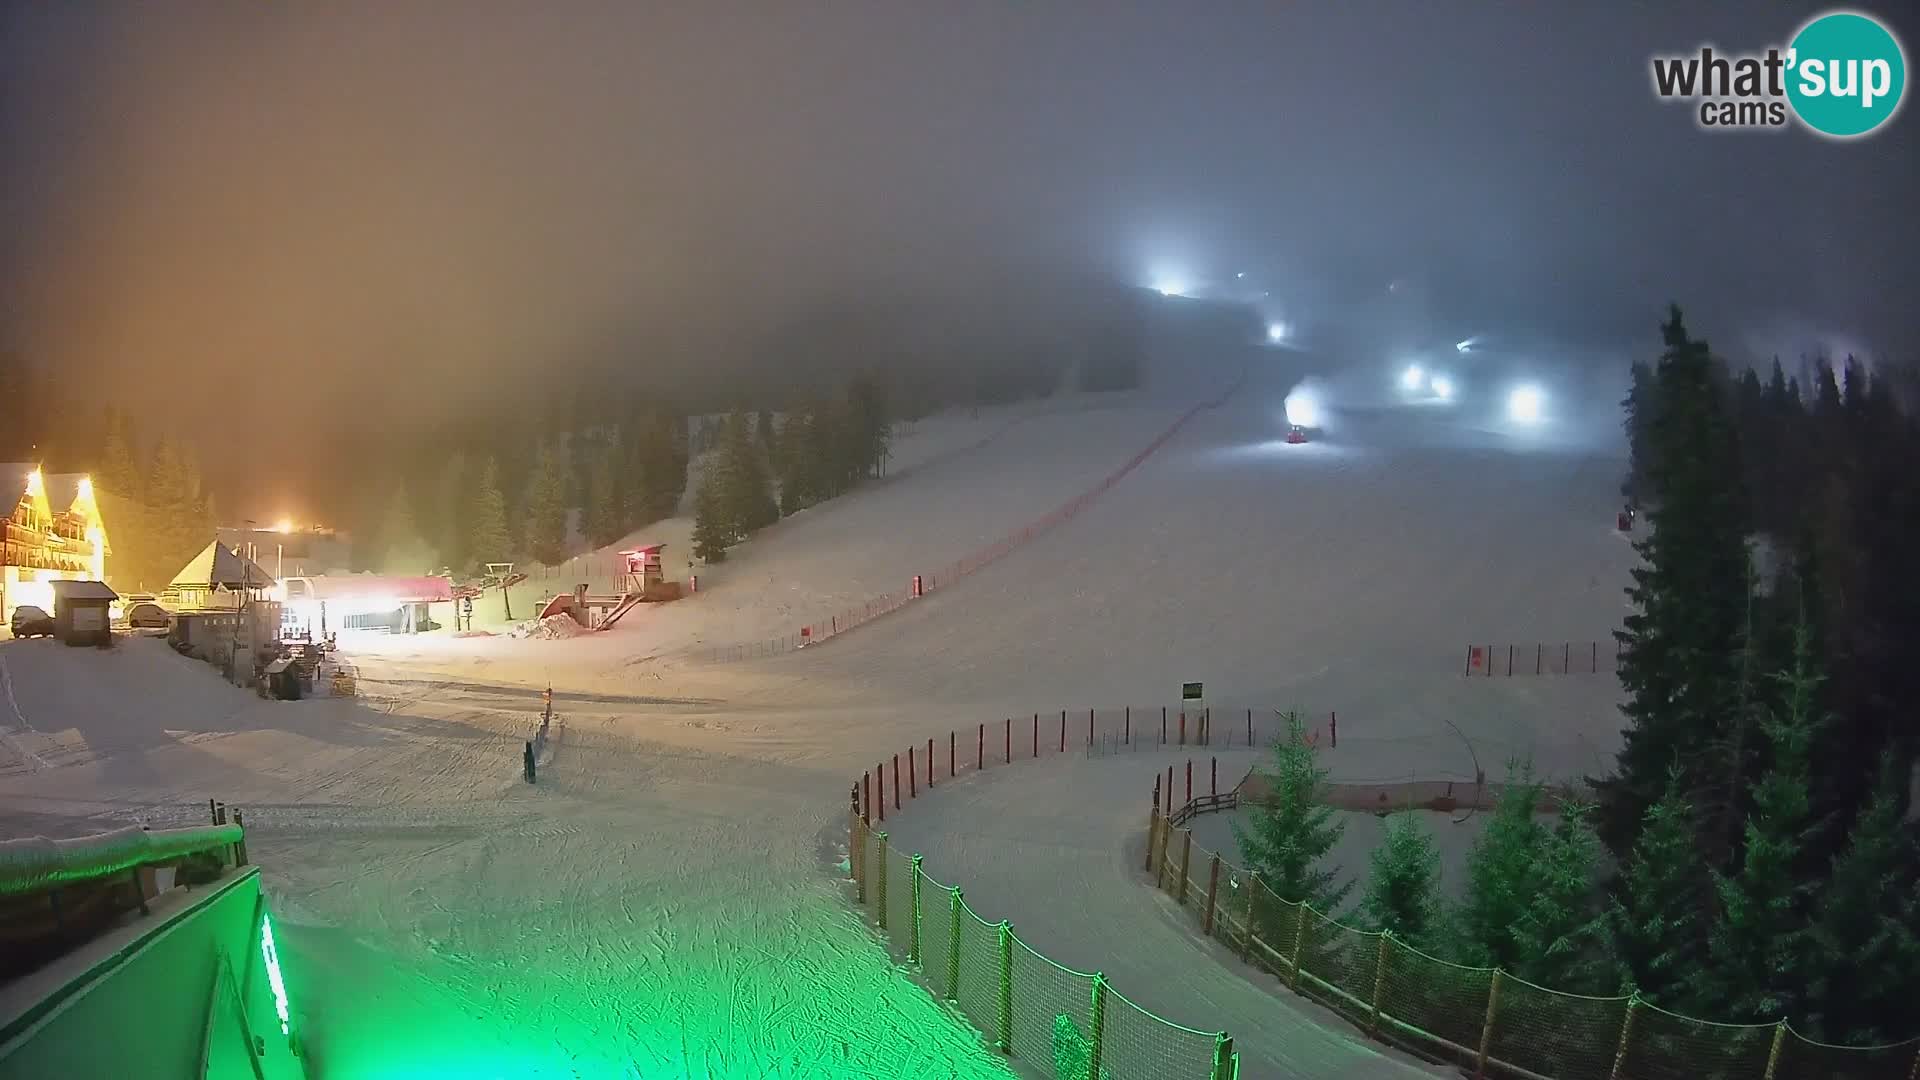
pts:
[30, 621]
[148, 614]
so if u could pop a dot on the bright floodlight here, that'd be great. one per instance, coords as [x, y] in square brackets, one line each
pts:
[1303, 409]
[1463, 346]
[1523, 404]
[1443, 388]
[1277, 331]
[1411, 378]
[1170, 287]
[284, 525]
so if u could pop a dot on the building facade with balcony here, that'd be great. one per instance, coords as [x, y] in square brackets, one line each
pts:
[53, 532]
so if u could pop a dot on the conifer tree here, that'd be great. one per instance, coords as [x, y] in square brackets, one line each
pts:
[405, 551]
[120, 470]
[1287, 837]
[1502, 876]
[449, 530]
[1761, 947]
[799, 464]
[605, 520]
[712, 534]
[1561, 937]
[546, 508]
[1403, 881]
[746, 487]
[1656, 920]
[1865, 965]
[487, 519]
[1679, 653]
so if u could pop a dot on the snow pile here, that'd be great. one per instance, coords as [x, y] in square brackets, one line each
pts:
[557, 625]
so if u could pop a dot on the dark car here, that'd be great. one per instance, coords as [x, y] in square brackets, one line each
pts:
[148, 614]
[30, 621]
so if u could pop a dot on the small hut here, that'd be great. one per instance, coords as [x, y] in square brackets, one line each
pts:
[81, 612]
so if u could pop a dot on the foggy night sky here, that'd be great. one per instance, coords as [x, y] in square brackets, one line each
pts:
[413, 197]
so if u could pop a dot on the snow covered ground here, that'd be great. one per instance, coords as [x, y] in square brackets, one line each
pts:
[666, 900]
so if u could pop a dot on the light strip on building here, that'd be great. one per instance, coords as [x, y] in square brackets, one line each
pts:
[272, 957]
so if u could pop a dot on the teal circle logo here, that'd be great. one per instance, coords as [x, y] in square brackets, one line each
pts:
[1846, 74]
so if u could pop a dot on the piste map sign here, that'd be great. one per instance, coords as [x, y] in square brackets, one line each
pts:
[1190, 691]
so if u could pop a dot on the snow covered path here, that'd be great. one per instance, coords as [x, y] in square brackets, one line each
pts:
[1056, 847]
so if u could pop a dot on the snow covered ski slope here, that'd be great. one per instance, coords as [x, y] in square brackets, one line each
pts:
[665, 901]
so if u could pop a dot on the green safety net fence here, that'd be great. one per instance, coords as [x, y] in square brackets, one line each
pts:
[1065, 1023]
[1061, 1023]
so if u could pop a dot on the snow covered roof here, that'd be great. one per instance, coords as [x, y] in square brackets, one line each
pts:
[81, 590]
[216, 565]
[61, 488]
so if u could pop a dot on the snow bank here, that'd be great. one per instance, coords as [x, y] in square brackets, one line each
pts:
[558, 625]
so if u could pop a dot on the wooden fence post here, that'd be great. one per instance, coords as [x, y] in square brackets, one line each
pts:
[240, 845]
[1299, 940]
[880, 892]
[1486, 1026]
[1213, 781]
[880, 782]
[1773, 1052]
[953, 764]
[1379, 981]
[1097, 1026]
[1213, 895]
[954, 905]
[1153, 822]
[913, 781]
[913, 928]
[1186, 861]
[1253, 887]
[1036, 734]
[1006, 988]
[1626, 1036]
[858, 856]
[1127, 739]
[896, 781]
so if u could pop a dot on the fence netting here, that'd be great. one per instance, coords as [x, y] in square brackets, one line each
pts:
[980, 973]
[1487, 1020]
[1483, 1018]
[1141, 1046]
[1661, 1046]
[1430, 1000]
[1043, 993]
[936, 933]
[1805, 1059]
[1559, 1035]
[1007, 989]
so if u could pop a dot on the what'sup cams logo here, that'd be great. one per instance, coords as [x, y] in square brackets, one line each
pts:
[1842, 76]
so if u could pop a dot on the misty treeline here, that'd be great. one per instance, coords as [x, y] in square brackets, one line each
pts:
[764, 468]
[513, 491]
[1753, 856]
[158, 509]
[535, 487]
